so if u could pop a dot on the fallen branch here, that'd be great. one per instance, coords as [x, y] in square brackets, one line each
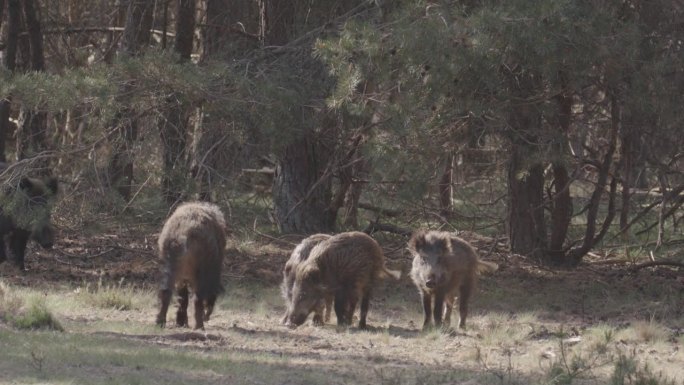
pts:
[380, 210]
[377, 226]
[656, 263]
[183, 337]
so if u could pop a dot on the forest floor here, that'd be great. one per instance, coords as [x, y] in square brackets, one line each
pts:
[597, 324]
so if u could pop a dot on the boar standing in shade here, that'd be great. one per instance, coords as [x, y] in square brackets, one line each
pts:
[25, 212]
[191, 248]
[444, 266]
[346, 267]
[300, 254]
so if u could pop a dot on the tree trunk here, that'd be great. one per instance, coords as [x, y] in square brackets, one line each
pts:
[561, 209]
[351, 208]
[526, 221]
[302, 193]
[32, 125]
[526, 224]
[301, 197]
[9, 62]
[277, 21]
[174, 127]
[446, 187]
[136, 35]
[626, 164]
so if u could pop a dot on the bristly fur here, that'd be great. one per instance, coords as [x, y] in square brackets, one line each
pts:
[444, 266]
[191, 248]
[350, 264]
[25, 211]
[299, 255]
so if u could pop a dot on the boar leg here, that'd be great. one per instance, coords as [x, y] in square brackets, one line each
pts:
[328, 307]
[165, 299]
[318, 315]
[427, 309]
[449, 302]
[340, 311]
[199, 312]
[465, 291]
[343, 307]
[165, 292]
[182, 314]
[18, 240]
[365, 303]
[439, 308]
[210, 306]
[3, 256]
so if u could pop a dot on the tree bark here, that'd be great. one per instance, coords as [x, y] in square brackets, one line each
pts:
[302, 192]
[526, 224]
[136, 36]
[446, 187]
[32, 124]
[174, 125]
[9, 62]
[561, 211]
[353, 198]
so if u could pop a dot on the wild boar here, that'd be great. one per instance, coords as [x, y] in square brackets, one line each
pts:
[191, 248]
[300, 254]
[444, 266]
[25, 211]
[345, 267]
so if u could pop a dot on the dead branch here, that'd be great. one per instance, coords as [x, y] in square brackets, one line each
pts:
[377, 226]
[656, 263]
[380, 210]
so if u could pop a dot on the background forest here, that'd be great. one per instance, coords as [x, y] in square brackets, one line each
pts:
[553, 123]
[549, 132]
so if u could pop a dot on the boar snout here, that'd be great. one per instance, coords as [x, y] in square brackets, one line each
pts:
[296, 320]
[431, 281]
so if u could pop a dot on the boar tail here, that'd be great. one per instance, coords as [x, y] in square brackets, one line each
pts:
[486, 267]
[385, 272]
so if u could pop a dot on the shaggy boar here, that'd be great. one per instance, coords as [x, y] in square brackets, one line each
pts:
[345, 267]
[25, 212]
[300, 254]
[191, 248]
[444, 266]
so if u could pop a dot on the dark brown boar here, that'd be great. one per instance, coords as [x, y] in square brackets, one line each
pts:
[300, 254]
[444, 266]
[191, 248]
[345, 267]
[25, 211]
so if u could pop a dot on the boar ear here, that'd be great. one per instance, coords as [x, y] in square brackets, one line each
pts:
[312, 274]
[417, 241]
[52, 185]
[442, 244]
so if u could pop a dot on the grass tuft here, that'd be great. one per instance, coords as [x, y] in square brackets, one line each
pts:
[118, 297]
[649, 331]
[31, 315]
[628, 371]
[36, 316]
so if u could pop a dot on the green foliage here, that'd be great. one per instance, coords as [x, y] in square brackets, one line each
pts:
[36, 316]
[628, 371]
[25, 314]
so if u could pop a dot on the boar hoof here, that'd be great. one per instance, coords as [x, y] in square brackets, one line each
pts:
[318, 320]
[161, 323]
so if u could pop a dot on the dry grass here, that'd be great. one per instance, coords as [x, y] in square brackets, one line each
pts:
[527, 326]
